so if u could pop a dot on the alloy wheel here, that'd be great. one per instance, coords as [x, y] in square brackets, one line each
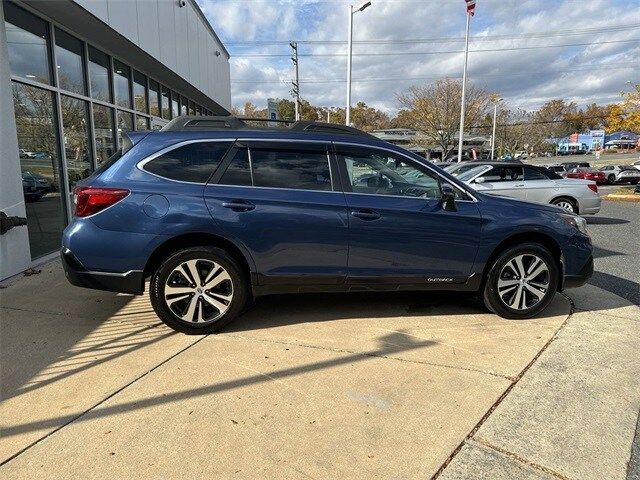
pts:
[565, 205]
[198, 291]
[523, 282]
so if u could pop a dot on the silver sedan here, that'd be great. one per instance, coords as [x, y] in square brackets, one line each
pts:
[534, 184]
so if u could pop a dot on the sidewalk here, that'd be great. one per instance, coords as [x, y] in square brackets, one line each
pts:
[338, 386]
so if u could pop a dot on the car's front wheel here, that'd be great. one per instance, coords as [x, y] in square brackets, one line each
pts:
[198, 290]
[611, 179]
[521, 282]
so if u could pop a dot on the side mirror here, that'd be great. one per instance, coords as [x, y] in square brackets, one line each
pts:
[448, 198]
[479, 180]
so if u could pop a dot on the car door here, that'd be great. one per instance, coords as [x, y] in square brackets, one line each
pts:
[538, 187]
[399, 231]
[279, 200]
[505, 180]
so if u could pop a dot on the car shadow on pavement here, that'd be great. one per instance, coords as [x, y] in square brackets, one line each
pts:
[280, 310]
[605, 221]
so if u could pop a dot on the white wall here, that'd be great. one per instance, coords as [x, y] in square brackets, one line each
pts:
[176, 36]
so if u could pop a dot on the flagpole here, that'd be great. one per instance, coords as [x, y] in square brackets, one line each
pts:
[464, 89]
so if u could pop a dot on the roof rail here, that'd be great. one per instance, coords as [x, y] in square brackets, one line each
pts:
[190, 123]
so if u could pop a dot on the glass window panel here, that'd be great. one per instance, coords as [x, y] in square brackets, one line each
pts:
[154, 94]
[140, 92]
[195, 162]
[192, 108]
[238, 172]
[121, 75]
[69, 62]
[308, 170]
[174, 105]
[380, 174]
[166, 112]
[184, 107]
[198, 110]
[125, 124]
[99, 75]
[76, 140]
[142, 123]
[103, 131]
[27, 40]
[39, 161]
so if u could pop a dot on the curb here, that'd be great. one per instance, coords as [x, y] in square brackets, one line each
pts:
[622, 198]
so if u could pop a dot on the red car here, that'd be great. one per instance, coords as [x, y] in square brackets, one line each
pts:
[588, 174]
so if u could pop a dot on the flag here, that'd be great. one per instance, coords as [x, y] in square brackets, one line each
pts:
[471, 7]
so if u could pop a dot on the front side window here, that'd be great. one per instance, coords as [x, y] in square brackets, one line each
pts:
[382, 174]
[194, 162]
[306, 170]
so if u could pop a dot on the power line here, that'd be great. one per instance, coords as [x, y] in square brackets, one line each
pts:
[609, 66]
[479, 38]
[536, 47]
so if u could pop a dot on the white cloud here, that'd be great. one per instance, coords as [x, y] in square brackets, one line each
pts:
[526, 78]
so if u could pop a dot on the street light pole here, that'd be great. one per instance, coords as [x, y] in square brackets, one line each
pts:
[350, 57]
[464, 89]
[493, 135]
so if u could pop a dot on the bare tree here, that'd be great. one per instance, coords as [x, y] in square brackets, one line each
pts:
[435, 109]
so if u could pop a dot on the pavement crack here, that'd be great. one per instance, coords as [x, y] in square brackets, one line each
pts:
[370, 354]
[518, 458]
[111, 395]
[515, 381]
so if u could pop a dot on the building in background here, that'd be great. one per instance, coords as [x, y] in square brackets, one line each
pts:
[74, 75]
[420, 144]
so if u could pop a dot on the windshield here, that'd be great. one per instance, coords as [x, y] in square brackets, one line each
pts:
[470, 174]
[460, 168]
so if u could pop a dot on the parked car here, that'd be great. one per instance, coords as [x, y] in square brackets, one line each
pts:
[587, 174]
[521, 154]
[621, 174]
[637, 189]
[557, 169]
[536, 184]
[636, 164]
[571, 165]
[216, 212]
[34, 186]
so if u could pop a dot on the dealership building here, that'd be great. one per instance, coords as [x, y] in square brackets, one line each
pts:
[75, 75]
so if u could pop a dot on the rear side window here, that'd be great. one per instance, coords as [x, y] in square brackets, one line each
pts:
[238, 172]
[503, 174]
[194, 162]
[307, 170]
[534, 174]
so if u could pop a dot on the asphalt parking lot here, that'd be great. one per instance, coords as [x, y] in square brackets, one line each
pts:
[614, 232]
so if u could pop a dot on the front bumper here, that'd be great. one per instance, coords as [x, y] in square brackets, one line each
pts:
[127, 282]
[580, 278]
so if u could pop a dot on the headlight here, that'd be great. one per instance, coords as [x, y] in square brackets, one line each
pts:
[575, 221]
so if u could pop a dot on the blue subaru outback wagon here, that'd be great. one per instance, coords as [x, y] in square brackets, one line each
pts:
[215, 212]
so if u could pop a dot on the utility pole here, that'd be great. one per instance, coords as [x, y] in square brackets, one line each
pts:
[350, 56]
[296, 82]
[464, 89]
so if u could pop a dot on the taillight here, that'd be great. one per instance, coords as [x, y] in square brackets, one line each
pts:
[90, 200]
[593, 187]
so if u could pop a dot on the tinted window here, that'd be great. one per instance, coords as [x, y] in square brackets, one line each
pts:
[308, 170]
[139, 92]
[121, 84]
[381, 174]
[238, 172]
[99, 75]
[503, 174]
[534, 174]
[190, 163]
[69, 53]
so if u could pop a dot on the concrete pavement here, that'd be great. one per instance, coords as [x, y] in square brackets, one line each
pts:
[348, 386]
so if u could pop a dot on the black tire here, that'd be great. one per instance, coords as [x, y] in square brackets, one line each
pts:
[237, 283]
[634, 182]
[491, 297]
[566, 200]
[612, 179]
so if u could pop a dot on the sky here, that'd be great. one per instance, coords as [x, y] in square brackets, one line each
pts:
[534, 50]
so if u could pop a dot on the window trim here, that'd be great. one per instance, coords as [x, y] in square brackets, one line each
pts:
[140, 165]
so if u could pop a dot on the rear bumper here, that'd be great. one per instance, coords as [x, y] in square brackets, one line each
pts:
[127, 282]
[589, 205]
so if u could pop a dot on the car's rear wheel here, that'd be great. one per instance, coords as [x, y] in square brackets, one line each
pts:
[521, 282]
[566, 203]
[198, 290]
[612, 179]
